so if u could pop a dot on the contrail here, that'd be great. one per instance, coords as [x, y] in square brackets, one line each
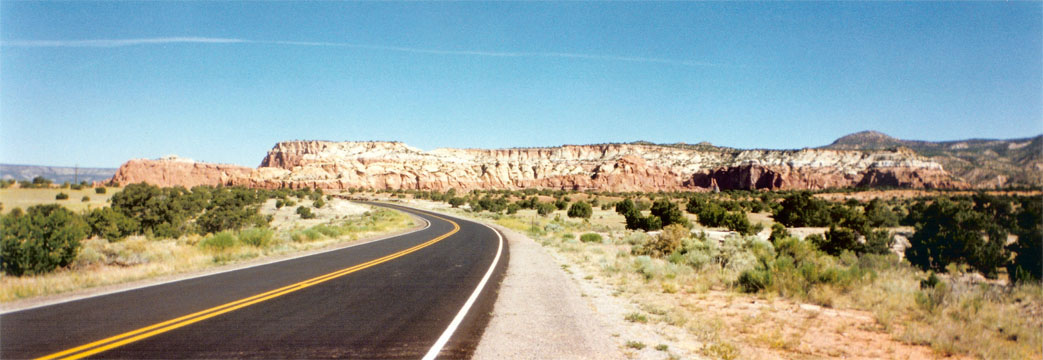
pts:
[119, 42]
[110, 43]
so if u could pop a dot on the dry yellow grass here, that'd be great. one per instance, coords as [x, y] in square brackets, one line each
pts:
[24, 198]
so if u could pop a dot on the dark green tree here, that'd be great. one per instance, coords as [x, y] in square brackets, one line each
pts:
[580, 209]
[625, 207]
[1028, 250]
[880, 215]
[801, 210]
[111, 224]
[42, 239]
[668, 213]
[952, 232]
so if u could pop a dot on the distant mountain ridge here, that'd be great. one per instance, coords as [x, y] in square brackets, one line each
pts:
[983, 163]
[58, 174]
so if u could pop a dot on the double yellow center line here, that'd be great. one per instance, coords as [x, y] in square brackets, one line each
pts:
[156, 329]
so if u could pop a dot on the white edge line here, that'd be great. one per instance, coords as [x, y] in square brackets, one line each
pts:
[78, 298]
[442, 340]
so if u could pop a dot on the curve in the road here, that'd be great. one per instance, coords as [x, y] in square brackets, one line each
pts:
[434, 286]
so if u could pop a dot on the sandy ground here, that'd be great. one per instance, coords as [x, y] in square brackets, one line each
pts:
[287, 218]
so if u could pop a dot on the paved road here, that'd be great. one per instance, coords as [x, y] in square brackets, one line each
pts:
[393, 298]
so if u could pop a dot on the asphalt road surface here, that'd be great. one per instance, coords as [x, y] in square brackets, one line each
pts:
[402, 297]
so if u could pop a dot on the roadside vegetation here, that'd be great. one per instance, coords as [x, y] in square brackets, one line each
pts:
[958, 272]
[149, 231]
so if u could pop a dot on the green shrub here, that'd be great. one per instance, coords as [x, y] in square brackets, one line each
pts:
[61, 196]
[636, 238]
[952, 232]
[838, 240]
[738, 222]
[328, 231]
[644, 265]
[625, 207]
[310, 234]
[305, 213]
[318, 203]
[457, 201]
[755, 280]
[561, 204]
[99, 190]
[544, 209]
[1028, 250]
[932, 295]
[580, 209]
[646, 223]
[111, 224]
[590, 237]
[220, 241]
[85, 198]
[1027, 264]
[230, 217]
[669, 241]
[801, 210]
[161, 212]
[42, 239]
[880, 214]
[877, 242]
[707, 213]
[636, 317]
[668, 213]
[778, 232]
[257, 237]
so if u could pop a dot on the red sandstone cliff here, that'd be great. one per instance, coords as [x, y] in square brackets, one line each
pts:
[172, 171]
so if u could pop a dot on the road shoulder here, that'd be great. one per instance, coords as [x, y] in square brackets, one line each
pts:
[540, 313]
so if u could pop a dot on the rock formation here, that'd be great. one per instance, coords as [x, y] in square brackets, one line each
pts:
[612, 167]
[609, 167]
[175, 171]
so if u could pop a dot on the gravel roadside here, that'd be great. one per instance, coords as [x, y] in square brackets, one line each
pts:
[540, 312]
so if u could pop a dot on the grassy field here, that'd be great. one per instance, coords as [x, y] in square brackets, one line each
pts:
[24, 198]
[101, 262]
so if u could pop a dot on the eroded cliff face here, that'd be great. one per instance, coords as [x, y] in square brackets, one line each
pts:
[173, 171]
[610, 167]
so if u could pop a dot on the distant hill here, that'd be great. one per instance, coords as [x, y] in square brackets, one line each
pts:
[55, 173]
[979, 162]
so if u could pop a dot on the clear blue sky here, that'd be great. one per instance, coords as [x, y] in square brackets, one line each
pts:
[97, 83]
